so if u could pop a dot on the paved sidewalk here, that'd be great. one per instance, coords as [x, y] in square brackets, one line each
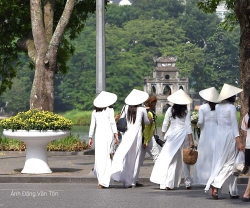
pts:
[67, 167]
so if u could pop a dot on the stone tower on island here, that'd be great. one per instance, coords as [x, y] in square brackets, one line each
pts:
[164, 82]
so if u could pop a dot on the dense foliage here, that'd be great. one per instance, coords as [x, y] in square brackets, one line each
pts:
[135, 35]
[16, 27]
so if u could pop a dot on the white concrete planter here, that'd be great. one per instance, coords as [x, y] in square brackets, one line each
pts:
[36, 143]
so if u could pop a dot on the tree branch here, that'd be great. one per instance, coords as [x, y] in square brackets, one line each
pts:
[27, 44]
[37, 24]
[60, 28]
[49, 7]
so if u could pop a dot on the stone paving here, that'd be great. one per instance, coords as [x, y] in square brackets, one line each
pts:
[66, 167]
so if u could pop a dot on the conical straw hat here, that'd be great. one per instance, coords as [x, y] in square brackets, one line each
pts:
[210, 94]
[180, 97]
[105, 99]
[228, 91]
[136, 97]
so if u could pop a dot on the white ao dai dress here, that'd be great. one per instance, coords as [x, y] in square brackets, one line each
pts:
[104, 126]
[207, 122]
[168, 167]
[125, 164]
[225, 150]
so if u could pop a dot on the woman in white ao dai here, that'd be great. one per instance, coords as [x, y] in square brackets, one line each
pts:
[126, 161]
[104, 126]
[207, 122]
[168, 167]
[227, 146]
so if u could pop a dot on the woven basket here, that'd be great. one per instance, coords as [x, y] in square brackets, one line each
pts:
[190, 156]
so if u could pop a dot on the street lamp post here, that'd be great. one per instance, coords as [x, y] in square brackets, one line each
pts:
[100, 47]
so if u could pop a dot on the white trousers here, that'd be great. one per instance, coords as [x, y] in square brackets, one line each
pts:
[188, 180]
[153, 151]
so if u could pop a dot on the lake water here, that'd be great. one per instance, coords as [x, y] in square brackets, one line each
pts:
[81, 131]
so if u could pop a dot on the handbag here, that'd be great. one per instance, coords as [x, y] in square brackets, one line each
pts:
[122, 122]
[157, 139]
[190, 155]
[113, 148]
[239, 164]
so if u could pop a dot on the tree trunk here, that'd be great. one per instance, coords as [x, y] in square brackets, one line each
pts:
[242, 10]
[42, 49]
[42, 92]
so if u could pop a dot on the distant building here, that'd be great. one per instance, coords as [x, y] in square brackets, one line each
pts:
[221, 10]
[124, 2]
[164, 82]
[119, 1]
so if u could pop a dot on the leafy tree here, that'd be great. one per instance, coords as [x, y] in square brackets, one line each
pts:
[18, 102]
[129, 58]
[37, 26]
[10, 26]
[241, 15]
[118, 15]
[190, 61]
[222, 54]
[198, 25]
[158, 9]
[215, 64]
[17, 98]
[132, 41]
[77, 88]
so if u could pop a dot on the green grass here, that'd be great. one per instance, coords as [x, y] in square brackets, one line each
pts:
[83, 118]
[78, 117]
[159, 120]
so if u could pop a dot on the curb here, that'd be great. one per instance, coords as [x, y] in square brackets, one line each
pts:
[70, 179]
[50, 153]
[46, 179]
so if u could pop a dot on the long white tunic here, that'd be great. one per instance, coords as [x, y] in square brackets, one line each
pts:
[244, 127]
[208, 124]
[125, 164]
[225, 149]
[168, 167]
[104, 126]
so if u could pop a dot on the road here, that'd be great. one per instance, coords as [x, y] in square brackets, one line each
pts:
[76, 195]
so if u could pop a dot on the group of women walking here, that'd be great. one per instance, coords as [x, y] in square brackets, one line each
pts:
[218, 146]
[219, 142]
[124, 166]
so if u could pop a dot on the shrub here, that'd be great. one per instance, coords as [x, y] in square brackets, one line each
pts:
[36, 120]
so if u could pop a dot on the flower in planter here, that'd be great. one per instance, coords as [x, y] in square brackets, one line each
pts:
[36, 120]
[194, 117]
[194, 121]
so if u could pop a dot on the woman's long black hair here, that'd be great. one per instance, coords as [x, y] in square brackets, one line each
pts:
[99, 109]
[231, 99]
[179, 111]
[212, 105]
[132, 110]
